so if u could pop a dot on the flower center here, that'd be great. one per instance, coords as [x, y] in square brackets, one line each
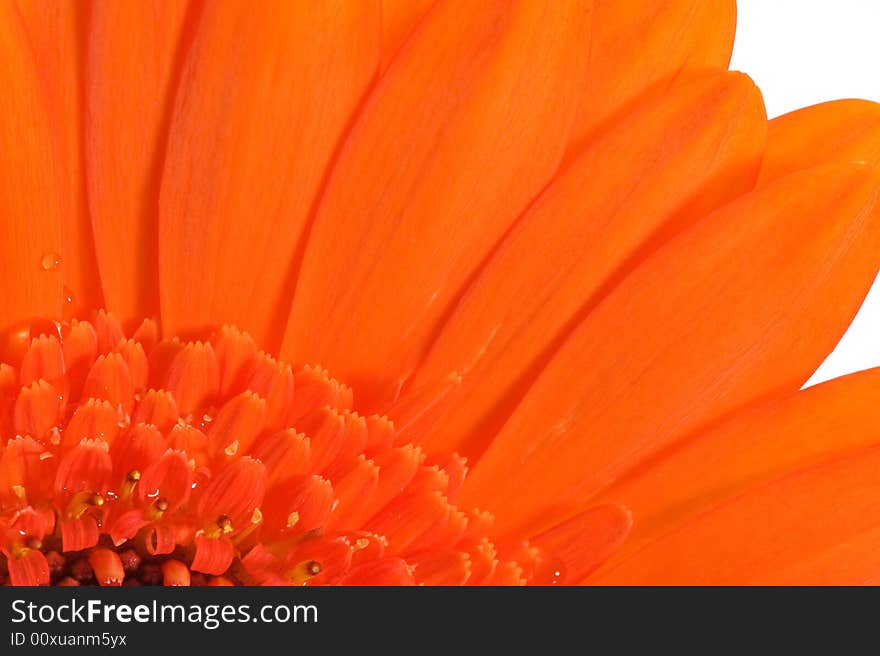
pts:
[130, 460]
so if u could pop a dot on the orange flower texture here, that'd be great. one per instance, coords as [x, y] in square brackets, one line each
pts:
[425, 292]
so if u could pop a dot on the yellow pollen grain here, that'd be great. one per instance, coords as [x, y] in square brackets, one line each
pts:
[224, 524]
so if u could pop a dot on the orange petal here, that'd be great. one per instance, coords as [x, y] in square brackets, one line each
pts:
[639, 43]
[44, 359]
[157, 407]
[399, 18]
[681, 153]
[193, 377]
[176, 573]
[37, 409]
[274, 381]
[29, 568]
[353, 492]
[459, 135]
[757, 444]
[136, 449]
[212, 556]
[441, 567]
[92, 419]
[747, 302]
[236, 352]
[297, 505]
[109, 379]
[136, 360]
[387, 571]
[107, 567]
[30, 192]
[237, 425]
[57, 33]
[792, 530]
[285, 454]
[235, 492]
[134, 55]
[169, 479]
[583, 542]
[265, 94]
[845, 130]
[314, 388]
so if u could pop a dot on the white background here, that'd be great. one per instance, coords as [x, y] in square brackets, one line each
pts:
[802, 52]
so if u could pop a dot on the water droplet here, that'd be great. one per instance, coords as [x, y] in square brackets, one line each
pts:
[550, 570]
[67, 297]
[50, 261]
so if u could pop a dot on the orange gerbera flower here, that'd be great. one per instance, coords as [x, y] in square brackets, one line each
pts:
[436, 292]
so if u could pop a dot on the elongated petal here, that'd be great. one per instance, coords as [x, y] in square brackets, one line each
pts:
[29, 568]
[845, 130]
[746, 303]
[265, 95]
[792, 530]
[679, 154]
[758, 444]
[30, 194]
[134, 55]
[57, 34]
[399, 19]
[583, 542]
[460, 134]
[636, 44]
[640, 43]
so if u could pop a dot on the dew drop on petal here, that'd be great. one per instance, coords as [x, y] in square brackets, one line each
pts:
[50, 261]
[67, 296]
